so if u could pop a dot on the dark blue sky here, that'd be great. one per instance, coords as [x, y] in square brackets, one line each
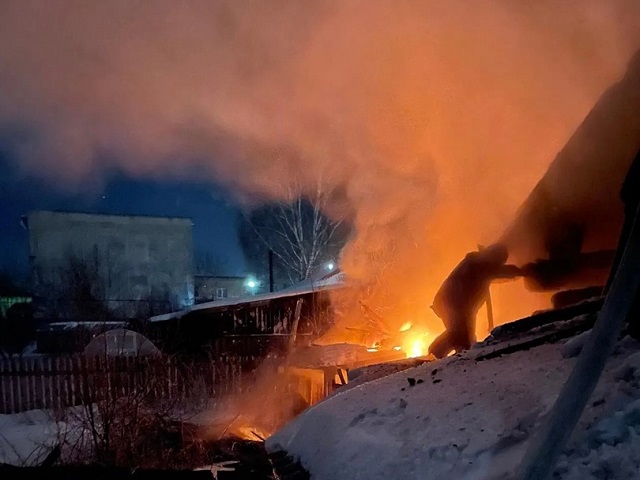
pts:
[214, 218]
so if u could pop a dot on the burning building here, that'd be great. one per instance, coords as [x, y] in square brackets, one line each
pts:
[576, 208]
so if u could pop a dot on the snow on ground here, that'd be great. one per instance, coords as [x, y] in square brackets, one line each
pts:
[470, 420]
[27, 437]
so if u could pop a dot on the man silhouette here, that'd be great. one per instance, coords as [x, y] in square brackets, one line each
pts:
[463, 293]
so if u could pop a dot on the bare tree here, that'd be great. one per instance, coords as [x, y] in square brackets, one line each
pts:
[83, 289]
[298, 231]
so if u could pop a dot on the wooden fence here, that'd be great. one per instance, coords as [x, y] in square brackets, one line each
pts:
[29, 383]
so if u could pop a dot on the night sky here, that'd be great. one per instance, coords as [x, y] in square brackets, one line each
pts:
[214, 218]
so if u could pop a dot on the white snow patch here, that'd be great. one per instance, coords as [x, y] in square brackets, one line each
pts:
[469, 420]
[27, 437]
[573, 347]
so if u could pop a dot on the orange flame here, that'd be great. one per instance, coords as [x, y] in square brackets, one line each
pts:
[417, 345]
[251, 433]
[405, 326]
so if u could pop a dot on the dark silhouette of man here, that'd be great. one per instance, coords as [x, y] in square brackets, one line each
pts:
[463, 293]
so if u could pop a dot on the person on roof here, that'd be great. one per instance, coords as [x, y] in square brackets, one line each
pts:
[463, 293]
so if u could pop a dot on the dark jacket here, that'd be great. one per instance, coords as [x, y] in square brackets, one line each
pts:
[466, 288]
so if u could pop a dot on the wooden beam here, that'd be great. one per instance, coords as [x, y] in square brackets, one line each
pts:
[296, 321]
[489, 311]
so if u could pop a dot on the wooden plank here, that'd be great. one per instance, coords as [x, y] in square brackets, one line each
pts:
[67, 382]
[110, 387]
[18, 384]
[296, 322]
[3, 386]
[85, 396]
[57, 401]
[72, 381]
[566, 331]
[34, 388]
[43, 390]
[50, 380]
[517, 327]
[32, 382]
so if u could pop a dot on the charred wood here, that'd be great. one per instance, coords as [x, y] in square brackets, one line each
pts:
[550, 333]
[518, 327]
[566, 298]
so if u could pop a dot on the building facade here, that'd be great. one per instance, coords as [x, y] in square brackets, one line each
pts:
[86, 264]
[209, 288]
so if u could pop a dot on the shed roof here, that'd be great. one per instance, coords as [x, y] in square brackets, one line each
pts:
[333, 281]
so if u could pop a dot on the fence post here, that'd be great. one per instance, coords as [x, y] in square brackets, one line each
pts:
[10, 384]
[58, 392]
[16, 359]
[73, 380]
[106, 367]
[170, 377]
[3, 387]
[49, 383]
[65, 382]
[213, 378]
[34, 388]
[28, 373]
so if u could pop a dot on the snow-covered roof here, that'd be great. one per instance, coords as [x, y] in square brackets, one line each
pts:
[70, 325]
[331, 281]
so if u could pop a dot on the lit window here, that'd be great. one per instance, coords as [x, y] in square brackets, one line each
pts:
[221, 293]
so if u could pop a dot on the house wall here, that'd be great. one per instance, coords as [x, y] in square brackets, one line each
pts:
[206, 287]
[135, 258]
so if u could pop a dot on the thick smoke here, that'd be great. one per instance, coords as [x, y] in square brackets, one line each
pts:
[434, 118]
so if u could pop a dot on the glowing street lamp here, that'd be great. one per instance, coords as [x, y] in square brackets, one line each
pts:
[330, 266]
[251, 284]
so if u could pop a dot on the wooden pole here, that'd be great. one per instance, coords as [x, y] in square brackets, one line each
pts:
[296, 321]
[489, 310]
[270, 270]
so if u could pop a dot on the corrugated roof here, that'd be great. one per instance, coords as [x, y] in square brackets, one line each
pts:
[329, 282]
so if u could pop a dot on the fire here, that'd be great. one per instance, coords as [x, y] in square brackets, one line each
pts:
[251, 433]
[417, 345]
[418, 348]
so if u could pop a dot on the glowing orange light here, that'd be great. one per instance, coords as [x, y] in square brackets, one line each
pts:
[372, 349]
[251, 433]
[405, 326]
[417, 345]
[417, 348]
[397, 348]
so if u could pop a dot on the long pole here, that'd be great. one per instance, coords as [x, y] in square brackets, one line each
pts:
[270, 270]
[489, 310]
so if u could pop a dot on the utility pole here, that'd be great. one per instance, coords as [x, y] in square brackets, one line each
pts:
[270, 270]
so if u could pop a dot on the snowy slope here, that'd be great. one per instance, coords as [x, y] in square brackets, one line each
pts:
[469, 419]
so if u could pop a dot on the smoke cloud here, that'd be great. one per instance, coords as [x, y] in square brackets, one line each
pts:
[434, 118]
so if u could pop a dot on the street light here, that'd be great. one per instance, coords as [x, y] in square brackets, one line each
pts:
[330, 266]
[251, 284]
